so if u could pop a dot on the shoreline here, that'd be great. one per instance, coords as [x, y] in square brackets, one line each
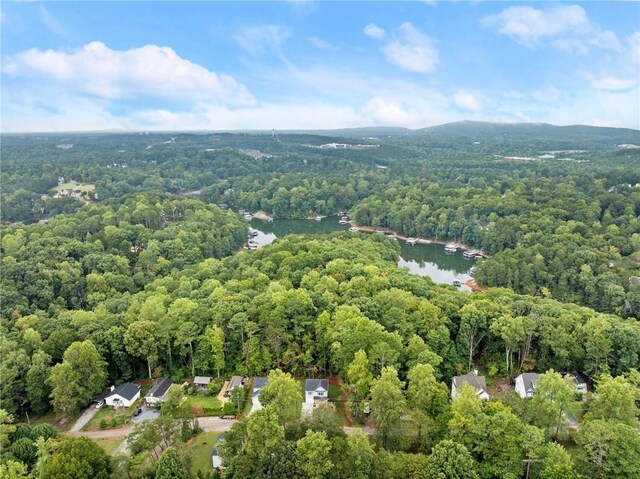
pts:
[459, 244]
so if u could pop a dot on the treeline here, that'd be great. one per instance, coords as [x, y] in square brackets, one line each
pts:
[304, 305]
[327, 305]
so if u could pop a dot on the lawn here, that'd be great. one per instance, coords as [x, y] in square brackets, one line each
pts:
[50, 418]
[210, 406]
[199, 449]
[109, 445]
[112, 417]
[335, 396]
[74, 185]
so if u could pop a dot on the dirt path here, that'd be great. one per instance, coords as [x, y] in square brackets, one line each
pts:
[84, 419]
[105, 434]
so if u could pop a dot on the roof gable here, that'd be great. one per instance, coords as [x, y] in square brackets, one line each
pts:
[472, 379]
[160, 388]
[311, 385]
[259, 382]
[127, 391]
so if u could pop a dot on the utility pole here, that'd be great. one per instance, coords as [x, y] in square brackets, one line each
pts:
[529, 461]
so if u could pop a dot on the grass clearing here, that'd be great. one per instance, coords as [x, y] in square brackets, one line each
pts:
[50, 418]
[74, 185]
[113, 418]
[108, 444]
[204, 405]
[335, 396]
[199, 449]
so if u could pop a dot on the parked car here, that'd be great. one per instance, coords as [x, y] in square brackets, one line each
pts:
[137, 412]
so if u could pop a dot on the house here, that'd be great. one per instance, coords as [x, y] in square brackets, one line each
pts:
[579, 382]
[526, 384]
[201, 383]
[258, 384]
[98, 400]
[158, 391]
[476, 382]
[316, 391]
[216, 460]
[123, 396]
[235, 382]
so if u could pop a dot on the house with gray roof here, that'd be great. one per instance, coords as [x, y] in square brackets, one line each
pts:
[201, 383]
[216, 460]
[472, 379]
[316, 391]
[526, 385]
[258, 384]
[158, 391]
[123, 396]
[234, 382]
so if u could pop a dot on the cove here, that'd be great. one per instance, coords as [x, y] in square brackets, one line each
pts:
[421, 259]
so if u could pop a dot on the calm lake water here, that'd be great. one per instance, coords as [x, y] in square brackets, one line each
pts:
[421, 259]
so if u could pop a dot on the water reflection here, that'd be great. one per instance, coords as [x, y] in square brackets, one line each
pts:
[421, 259]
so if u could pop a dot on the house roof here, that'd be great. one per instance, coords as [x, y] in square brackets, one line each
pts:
[203, 380]
[529, 380]
[472, 379]
[160, 388]
[214, 451]
[259, 383]
[126, 390]
[236, 381]
[577, 377]
[313, 384]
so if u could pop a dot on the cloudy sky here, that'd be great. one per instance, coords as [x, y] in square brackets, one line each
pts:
[303, 64]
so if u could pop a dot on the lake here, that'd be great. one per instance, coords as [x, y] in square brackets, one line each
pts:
[421, 259]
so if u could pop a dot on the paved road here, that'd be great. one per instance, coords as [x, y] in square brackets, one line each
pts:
[84, 419]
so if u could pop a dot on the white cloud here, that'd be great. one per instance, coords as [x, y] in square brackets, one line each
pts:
[611, 83]
[568, 27]
[322, 44]
[466, 100]
[411, 50]
[148, 71]
[374, 31]
[51, 22]
[262, 38]
[382, 111]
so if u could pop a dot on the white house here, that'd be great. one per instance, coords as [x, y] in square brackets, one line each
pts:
[123, 396]
[216, 460]
[579, 383]
[316, 391]
[526, 385]
[476, 382]
[258, 384]
[158, 391]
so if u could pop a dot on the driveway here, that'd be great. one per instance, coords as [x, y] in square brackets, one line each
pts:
[147, 414]
[213, 423]
[84, 419]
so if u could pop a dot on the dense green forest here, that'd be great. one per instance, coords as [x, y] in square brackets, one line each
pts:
[145, 277]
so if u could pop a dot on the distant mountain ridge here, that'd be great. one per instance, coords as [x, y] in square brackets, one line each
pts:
[481, 129]
[462, 129]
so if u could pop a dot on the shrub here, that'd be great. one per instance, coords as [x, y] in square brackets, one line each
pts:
[103, 423]
[45, 431]
[229, 409]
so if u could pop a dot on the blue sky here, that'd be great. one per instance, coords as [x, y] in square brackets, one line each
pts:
[302, 64]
